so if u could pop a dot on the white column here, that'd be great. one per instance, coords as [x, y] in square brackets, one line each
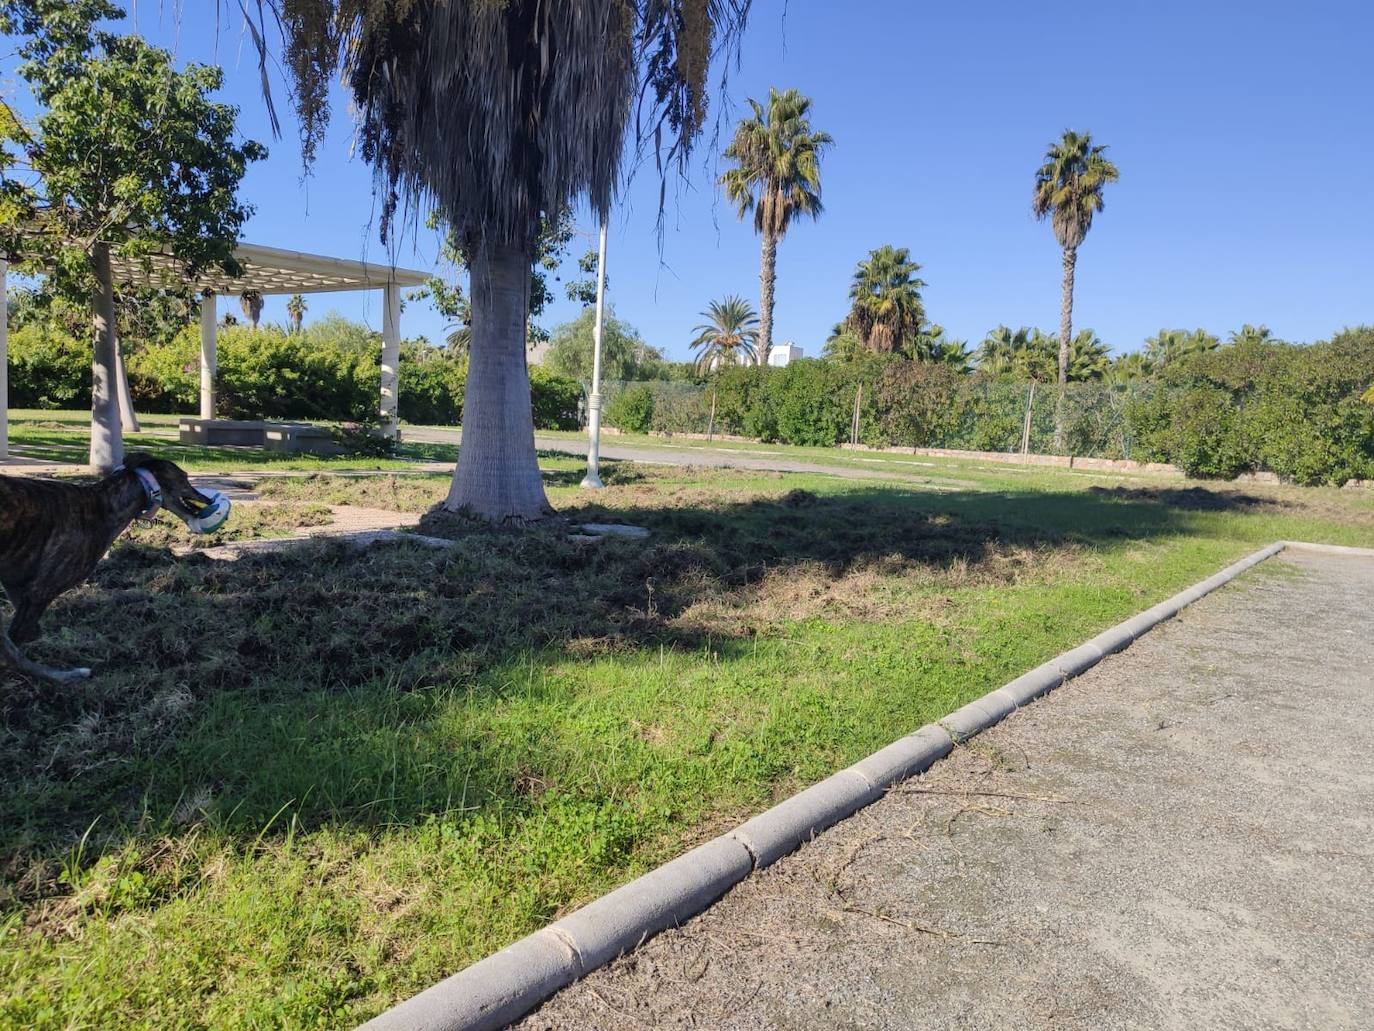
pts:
[4, 366]
[593, 477]
[208, 332]
[391, 359]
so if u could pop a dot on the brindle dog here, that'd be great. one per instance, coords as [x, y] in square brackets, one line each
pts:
[52, 534]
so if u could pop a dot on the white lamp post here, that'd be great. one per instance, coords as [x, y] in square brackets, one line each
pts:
[593, 477]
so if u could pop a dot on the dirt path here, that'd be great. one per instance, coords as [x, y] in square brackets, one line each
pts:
[1182, 838]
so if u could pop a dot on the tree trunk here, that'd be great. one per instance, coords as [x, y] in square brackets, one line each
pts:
[497, 478]
[768, 267]
[107, 443]
[1065, 336]
[128, 418]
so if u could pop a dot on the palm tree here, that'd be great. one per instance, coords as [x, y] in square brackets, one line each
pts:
[1128, 369]
[1089, 357]
[295, 312]
[1169, 345]
[493, 115]
[778, 177]
[885, 300]
[1068, 191]
[729, 334]
[1248, 334]
[251, 303]
[997, 354]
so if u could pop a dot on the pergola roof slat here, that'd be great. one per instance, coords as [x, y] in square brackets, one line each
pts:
[271, 270]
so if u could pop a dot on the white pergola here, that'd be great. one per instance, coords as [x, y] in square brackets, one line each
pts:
[268, 270]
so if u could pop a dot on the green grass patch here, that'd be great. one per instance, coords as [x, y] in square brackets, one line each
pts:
[64, 437]
[305, 785]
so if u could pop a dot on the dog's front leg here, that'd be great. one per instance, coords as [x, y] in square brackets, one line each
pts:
[16, 658]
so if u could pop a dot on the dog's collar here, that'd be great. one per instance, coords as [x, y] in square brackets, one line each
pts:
[152, 490]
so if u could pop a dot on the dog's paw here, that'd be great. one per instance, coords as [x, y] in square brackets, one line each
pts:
[71, 676]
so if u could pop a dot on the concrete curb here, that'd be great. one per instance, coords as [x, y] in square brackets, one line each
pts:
[503, 987]
[1331, 549]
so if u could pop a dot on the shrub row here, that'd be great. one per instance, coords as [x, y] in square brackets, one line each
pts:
[329, 372]
[1293, 410]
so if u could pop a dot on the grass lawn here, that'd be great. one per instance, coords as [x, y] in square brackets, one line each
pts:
[62, 436]
[304, 785]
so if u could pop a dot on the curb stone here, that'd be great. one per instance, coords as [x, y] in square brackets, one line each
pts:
[505, 986]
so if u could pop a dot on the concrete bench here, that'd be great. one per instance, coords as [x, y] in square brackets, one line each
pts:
[288, 437]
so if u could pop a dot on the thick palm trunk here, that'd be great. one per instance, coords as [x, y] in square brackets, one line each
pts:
[497, 478]
[1065, 336]
[768, 267]
[107, 443]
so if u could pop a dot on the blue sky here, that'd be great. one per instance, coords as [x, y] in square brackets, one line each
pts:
[1242, 131]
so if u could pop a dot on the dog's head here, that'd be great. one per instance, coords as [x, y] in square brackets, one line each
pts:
[178, 496]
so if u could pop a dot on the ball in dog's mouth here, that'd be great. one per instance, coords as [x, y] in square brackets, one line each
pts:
[212, 516]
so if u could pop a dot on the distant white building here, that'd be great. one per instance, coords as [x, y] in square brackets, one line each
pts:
[783, 355]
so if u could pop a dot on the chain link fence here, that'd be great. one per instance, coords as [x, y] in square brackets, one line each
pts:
[973, 415]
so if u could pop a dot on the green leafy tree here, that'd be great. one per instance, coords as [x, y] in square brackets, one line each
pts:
[777, 177]
[499, 116]
[126, 156]
[728, 336]
[624, 353]
[1068, 191]
[885, 300]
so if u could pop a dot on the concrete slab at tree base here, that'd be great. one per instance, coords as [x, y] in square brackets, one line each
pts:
[504, 986]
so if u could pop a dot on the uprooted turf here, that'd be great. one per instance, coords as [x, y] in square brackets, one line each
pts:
[307, 784]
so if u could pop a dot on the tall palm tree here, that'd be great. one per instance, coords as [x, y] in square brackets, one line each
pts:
[1068, 191]
[885, 300]
[493, 115]
[729, 334]
[251, 303]
[777, 177]
[295, 312]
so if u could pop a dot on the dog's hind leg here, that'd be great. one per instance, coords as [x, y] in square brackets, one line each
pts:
[13, 656]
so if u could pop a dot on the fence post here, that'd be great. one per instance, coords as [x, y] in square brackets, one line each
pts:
[1026, 429]
[711, 424]
[854, 423]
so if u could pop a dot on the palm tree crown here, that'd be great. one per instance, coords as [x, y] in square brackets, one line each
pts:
[728, 335]
[777, 176]
[1169, 345]
[251, 303]
[295, 311]
[778, 173]
[885, 299]
[1068, 186]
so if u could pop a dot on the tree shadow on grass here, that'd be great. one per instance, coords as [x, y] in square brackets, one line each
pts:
[377, 688]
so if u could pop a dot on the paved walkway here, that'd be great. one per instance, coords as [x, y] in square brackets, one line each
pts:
[1181, 838]
[759, 458]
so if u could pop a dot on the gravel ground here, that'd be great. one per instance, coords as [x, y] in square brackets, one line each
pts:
[1181, 838]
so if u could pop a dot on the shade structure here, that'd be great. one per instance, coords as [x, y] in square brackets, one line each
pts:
[270, 270]
[267, 270]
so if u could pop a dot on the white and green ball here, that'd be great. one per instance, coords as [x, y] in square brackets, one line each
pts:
[212, 516]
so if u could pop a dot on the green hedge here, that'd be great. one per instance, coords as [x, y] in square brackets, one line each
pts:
[1295, 411]
[329, 372]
